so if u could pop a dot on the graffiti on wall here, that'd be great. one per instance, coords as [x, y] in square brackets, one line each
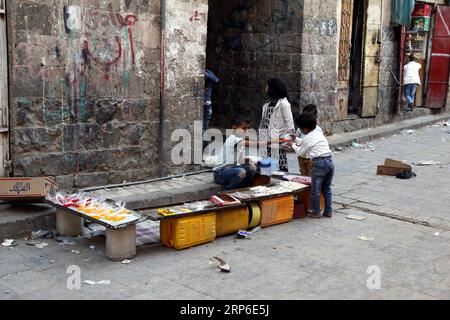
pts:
[108, 36]
[97, 40]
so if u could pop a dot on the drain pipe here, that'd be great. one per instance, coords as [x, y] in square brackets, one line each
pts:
[162, 126]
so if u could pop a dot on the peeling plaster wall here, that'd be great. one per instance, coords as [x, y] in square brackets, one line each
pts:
[84, 90]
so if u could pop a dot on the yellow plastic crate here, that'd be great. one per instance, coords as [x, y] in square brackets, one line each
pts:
[231, 221]
[277, 210]
[186, 232]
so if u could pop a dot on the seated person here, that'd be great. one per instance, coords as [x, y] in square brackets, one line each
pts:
[233, 170]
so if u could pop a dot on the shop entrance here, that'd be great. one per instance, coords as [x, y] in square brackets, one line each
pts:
[428, 40]
[4, 118]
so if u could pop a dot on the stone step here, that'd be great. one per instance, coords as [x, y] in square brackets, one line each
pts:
[18, 221]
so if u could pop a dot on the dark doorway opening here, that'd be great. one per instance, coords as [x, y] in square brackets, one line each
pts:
[356, 62]
[248, 42]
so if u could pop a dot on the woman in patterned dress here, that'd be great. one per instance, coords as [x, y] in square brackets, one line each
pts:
[277, 120]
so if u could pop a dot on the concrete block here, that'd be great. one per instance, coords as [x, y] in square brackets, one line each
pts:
[121, 244]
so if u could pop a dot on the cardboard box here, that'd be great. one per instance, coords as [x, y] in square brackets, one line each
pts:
[393, 167]
[27, 188]
[422, 10]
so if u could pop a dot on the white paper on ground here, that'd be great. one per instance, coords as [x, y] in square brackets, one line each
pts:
[93, 283]
[355, 217]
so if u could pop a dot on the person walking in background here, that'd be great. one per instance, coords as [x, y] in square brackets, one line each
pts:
[277, 120]
[210, 80]
[411, 80]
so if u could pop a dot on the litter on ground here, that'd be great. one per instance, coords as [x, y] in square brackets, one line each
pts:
[428, 163]
[8, 243]
[93, 283]
[355, 217]
[36, 244]
[223, 266]
[363, 237]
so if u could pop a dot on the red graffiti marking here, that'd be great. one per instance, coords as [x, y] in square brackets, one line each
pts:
[99, 20]
[102, 60]
[131, 21]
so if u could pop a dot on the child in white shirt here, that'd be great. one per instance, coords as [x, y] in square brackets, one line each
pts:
[315, 146]
[233, 170]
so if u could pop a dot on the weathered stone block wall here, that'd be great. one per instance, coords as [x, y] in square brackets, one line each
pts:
[248, 43]
[85, 86]
[319, 59]
[185, 61]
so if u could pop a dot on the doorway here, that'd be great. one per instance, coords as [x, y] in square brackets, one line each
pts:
[248, 42]
[359, 59]
[356, 59]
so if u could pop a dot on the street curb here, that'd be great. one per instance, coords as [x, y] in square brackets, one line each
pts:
[367, 135]
[22, 221]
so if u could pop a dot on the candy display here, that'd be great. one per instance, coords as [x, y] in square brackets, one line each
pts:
[263, 191]
[173, 211]
[214, 202]
[224, 200]
[105, 211]
[299, 179]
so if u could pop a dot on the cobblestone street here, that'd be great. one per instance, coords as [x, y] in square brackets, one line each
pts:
[406, 232]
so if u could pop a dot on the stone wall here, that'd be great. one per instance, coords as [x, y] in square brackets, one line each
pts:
[248, 43]
[318, 83]
[85, 86]
[185, 62]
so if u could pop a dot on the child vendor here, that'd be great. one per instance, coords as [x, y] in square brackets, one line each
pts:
[315, 146]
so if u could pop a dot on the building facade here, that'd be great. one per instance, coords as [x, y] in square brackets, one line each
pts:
[95, 88]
